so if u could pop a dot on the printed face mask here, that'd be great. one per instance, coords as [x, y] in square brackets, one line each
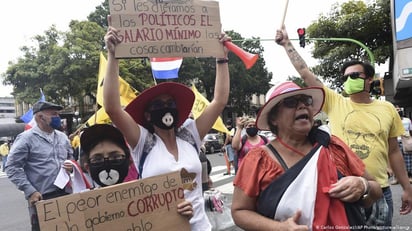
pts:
[252, 131]
[109, 172]
[55, 122]
[353, 86]
[165, 118]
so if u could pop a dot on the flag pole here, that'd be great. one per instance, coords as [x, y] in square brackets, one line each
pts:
[284, 13]
[154, 78]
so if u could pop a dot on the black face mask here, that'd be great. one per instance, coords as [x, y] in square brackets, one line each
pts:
[252, 131]
[110, 172]
[165, 118]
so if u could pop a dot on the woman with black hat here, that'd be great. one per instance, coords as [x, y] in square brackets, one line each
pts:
[154, 119]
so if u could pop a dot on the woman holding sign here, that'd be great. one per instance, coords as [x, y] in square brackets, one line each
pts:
[152, 125]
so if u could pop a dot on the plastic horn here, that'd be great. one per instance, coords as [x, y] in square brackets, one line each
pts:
[248, 59]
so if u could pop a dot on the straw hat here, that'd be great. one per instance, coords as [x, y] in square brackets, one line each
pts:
[285, 90]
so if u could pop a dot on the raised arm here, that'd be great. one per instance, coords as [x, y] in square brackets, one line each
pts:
[111, 94]
[237, 137]
[221, 94]
[308, 77]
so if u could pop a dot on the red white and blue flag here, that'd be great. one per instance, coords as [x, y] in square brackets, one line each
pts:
[28, 117]
[166, 68]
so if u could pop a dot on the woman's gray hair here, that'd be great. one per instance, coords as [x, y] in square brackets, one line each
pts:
[271, 116]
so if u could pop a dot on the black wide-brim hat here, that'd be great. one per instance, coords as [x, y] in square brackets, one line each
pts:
[182, 95]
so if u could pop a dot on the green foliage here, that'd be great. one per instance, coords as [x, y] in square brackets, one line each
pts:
[369, 24]
[99, 16]
[243, 83]
[298, 80]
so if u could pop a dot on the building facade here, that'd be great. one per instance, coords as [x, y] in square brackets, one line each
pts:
[7, 110]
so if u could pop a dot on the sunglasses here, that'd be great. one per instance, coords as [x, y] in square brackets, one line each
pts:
[160, 104]
[115, 158]
[293, 101]
[353, 75]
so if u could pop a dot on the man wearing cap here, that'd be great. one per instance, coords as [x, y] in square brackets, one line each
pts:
[37, 155]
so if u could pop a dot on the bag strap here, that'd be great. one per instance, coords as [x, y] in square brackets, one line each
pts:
[264, 138]
[278, 157]
[150, 142]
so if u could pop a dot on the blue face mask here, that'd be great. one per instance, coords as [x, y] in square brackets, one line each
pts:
[56, 122]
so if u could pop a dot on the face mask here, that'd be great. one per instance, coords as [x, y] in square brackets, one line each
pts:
[252, 131]
[56, 122]
[110, 172]
[165, 118]
[353, 86]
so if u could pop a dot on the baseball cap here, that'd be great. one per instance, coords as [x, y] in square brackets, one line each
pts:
[98, 133]
[44, 105]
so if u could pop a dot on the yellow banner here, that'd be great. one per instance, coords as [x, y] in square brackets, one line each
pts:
[100, 117]
[199, 106]
[127, 93]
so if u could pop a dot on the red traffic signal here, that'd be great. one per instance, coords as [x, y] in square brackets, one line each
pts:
[301, 33]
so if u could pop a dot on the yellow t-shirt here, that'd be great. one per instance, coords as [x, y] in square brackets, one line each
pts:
[366, 128]
[4, 149]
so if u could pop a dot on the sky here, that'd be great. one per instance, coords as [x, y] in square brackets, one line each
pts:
[23, 19]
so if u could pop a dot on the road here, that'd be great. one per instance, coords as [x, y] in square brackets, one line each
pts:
[14, 214]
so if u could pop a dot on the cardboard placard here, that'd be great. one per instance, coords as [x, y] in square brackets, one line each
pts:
[147, 204]
[167, 28]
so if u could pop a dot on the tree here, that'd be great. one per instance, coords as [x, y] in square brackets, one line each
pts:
[64, 72]
[369, 24]
[32, 71]
[99, 16]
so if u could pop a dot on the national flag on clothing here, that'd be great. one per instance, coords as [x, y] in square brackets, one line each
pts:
[28, 117]
[166, 68]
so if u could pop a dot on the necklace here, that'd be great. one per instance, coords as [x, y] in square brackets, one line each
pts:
[289, 147]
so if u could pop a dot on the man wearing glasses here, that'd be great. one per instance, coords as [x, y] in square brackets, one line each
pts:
[361, 115]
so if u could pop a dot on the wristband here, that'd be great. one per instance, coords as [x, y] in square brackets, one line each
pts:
[220, 61]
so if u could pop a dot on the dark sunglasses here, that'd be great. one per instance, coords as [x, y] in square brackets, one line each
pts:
[293, 101]
[353, 75]
[160, 104]
[114, 158]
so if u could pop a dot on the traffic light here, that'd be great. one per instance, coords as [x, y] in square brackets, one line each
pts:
[377, 87]
[301, 33]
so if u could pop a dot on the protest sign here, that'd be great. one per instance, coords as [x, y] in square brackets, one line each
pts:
[167, 28]
[147, 205]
